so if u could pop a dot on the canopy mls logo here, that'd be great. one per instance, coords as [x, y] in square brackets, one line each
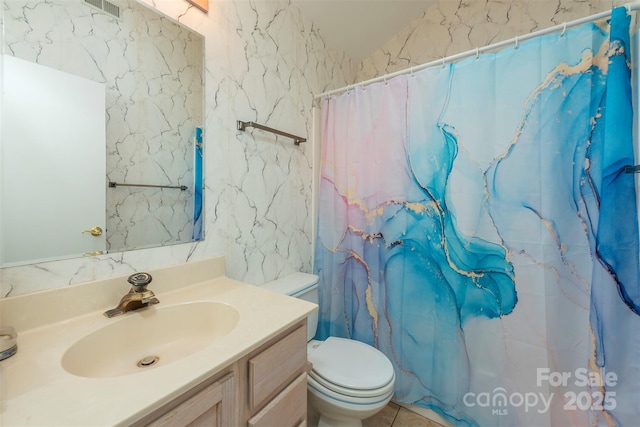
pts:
[499, 400]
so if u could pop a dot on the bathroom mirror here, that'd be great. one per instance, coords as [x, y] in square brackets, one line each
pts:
[151, 71]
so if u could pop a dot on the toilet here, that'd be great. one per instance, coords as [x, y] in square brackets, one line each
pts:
[350, 380]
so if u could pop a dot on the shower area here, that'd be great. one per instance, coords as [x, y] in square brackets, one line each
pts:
[477, 223]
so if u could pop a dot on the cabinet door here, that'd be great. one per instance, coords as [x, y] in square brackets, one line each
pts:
[211, 407]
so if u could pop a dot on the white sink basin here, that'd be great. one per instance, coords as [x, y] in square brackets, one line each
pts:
[154, 336]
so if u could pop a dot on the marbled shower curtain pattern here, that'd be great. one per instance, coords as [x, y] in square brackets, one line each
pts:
[477, 226]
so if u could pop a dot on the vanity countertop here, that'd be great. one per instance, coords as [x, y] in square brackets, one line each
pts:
[37, 390]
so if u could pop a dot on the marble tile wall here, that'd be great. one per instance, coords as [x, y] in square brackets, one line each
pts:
[152, 75]
[453, 26]
[264, 61]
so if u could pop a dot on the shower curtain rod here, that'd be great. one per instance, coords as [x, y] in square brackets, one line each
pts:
[477, 51]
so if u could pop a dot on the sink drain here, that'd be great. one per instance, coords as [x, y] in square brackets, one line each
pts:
[145, 362]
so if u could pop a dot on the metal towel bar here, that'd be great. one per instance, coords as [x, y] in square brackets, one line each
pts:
[632, 169]
[296, 139]
[117, 184]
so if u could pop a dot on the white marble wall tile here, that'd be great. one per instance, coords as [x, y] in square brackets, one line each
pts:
[449, 27]
[264, 62]
[272, 80]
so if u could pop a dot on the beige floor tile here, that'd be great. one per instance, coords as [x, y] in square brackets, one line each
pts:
[391, 415]
[383, 418]
[406, 418]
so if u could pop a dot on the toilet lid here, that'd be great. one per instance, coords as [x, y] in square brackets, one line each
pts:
[351, 364]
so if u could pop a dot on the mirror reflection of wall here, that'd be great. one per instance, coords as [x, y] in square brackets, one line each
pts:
[153, 70]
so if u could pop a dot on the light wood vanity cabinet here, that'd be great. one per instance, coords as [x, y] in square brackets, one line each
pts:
[266, 388]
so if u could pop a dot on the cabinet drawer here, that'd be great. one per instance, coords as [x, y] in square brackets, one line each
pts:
[288, 409]
[272, 369]
[211, 407]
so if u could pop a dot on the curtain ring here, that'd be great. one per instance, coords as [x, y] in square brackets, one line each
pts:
[516, 45]
[477, 52]
[412, 75]
[443, 62]
[564, 28]
[384, 79]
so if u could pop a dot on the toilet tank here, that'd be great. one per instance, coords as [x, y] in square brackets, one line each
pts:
[299, 285]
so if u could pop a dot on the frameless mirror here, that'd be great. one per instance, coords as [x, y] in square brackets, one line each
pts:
[102, 114]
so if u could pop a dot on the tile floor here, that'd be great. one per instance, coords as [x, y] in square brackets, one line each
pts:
[396, 416]
[391, 416]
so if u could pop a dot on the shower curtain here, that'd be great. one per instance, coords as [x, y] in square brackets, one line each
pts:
[477, 226]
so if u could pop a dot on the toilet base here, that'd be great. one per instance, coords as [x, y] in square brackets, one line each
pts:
[334, 414]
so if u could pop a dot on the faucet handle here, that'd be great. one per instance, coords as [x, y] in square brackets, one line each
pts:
[140, 281]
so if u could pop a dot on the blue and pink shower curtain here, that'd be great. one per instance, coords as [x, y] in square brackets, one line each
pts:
[477, 226]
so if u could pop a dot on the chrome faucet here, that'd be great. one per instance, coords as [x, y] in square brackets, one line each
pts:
[138, 297]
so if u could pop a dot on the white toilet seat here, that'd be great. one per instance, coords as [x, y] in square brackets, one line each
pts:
[351, 370]
[348, 399]
[350, 392]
